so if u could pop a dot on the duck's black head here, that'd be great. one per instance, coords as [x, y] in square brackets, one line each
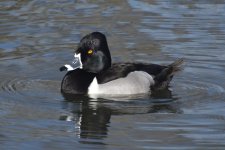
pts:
[92, 54]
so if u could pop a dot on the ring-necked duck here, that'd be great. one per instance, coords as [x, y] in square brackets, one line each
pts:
[93, 73]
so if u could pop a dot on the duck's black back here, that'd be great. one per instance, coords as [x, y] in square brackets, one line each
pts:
[120, 70]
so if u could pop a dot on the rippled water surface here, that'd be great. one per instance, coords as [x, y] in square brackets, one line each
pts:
[38, 36]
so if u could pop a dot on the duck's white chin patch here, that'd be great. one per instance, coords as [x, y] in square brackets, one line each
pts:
[77, 61]
[75, 64]
[134, 83]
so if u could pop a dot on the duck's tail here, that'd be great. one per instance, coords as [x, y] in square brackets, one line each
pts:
[163, 79]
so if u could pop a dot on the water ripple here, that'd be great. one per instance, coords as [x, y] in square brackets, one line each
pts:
[198, 89]
[30, 88]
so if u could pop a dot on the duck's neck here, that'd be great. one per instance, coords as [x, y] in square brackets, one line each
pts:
[77, 81]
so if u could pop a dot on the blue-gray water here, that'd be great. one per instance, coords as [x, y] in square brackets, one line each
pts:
[38, 36]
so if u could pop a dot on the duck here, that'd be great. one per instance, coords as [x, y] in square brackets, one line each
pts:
[93, 73]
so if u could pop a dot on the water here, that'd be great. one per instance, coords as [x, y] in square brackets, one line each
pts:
[38, 36]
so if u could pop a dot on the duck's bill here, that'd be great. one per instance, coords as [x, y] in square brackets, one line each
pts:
[76, 63]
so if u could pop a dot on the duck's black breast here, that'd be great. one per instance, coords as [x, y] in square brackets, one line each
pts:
[76, 81]
[120, 70]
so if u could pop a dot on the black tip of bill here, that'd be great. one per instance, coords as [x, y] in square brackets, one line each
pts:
[63, 68]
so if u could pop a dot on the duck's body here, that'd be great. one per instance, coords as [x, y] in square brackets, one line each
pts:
[96, 75]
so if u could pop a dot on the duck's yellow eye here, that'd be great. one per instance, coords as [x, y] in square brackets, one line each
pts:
[90, 51]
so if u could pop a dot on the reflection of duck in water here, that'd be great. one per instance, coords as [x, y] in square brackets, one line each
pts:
[92, 118]
[92, 72]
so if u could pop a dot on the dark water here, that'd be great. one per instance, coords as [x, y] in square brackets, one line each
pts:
[38, 36]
